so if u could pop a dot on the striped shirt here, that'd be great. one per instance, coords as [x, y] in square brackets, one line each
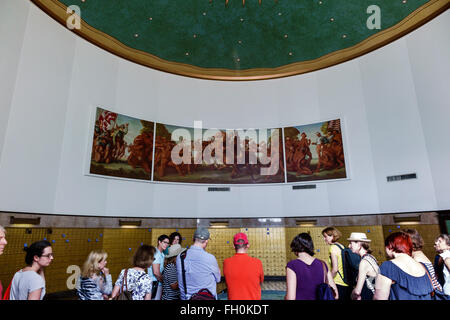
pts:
[94, 288]
[434, 281]
[170, 277]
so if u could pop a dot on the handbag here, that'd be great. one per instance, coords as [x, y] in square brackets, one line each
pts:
[436, 294]
[124, 294]
[324, 291]
[203, 294]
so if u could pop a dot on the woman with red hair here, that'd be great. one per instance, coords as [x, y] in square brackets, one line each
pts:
[401, 278]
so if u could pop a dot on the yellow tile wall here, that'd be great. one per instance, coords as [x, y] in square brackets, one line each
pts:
[71, 246]
[121, 244]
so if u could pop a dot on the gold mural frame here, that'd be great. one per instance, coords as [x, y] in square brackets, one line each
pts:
[417, 18]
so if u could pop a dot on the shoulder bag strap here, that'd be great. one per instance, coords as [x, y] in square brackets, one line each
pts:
[342, 259]
[183, 271]
[429, 277]
[124, 281]
[369, 259]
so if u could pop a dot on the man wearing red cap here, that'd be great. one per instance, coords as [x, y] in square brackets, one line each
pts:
[243, 274]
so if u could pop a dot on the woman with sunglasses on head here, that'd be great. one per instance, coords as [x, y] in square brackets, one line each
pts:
[95, 282]
[29, 282]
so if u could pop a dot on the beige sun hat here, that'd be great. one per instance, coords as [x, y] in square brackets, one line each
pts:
[175, 250]
[358, 236]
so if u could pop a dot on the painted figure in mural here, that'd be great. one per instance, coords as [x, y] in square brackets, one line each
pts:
[303, 156]
[141, 151]
[336, 145]
[103, 146]
[109, 144]
[119, 144]
[163, 156]
[320, 142]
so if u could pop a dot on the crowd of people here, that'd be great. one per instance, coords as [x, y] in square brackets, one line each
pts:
[171, 272]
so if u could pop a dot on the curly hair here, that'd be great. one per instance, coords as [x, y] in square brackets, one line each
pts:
[173, 235]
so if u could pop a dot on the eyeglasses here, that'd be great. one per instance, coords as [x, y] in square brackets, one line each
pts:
[48, 255]
[166, 242]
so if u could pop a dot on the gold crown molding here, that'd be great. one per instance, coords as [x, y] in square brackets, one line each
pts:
[420, 16]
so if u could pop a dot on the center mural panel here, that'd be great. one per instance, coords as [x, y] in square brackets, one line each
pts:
[132, 148]
[218, 156]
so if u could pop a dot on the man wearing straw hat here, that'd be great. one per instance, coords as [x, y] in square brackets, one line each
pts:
[368, 267]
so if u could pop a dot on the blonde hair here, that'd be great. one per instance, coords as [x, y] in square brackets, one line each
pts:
[90, 266]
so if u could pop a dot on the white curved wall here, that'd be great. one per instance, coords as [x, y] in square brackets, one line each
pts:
[395, 102]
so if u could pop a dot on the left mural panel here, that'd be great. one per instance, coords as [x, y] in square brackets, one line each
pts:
[122, 146]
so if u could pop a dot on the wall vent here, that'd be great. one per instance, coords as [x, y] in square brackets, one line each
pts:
[402, 177]
[305, 186]
[214, 189]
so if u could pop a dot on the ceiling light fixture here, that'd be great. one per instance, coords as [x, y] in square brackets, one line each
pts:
[130, 224]
[306, 223]
[218, 224]
[24, 221]
[407, 219]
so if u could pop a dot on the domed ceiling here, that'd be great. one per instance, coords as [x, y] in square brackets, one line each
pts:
[241, 39]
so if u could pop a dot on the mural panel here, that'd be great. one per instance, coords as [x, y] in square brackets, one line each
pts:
[315, 152]
[218, 156]
[125, 147]
[122, 146]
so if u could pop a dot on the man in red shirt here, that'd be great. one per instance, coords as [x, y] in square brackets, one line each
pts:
[243, 274]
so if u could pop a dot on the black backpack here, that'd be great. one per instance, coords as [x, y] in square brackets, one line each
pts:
[350, 265]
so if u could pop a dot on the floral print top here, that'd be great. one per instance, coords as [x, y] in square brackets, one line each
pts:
[138, 283]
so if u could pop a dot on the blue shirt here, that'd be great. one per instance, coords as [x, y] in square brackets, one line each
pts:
[159, 258]
[406, 286]
[202, 271]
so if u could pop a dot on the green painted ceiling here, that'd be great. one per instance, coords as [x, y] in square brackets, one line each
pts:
[235, 39]
[211, 34]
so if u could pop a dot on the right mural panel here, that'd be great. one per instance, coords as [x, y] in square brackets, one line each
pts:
[315, 152]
